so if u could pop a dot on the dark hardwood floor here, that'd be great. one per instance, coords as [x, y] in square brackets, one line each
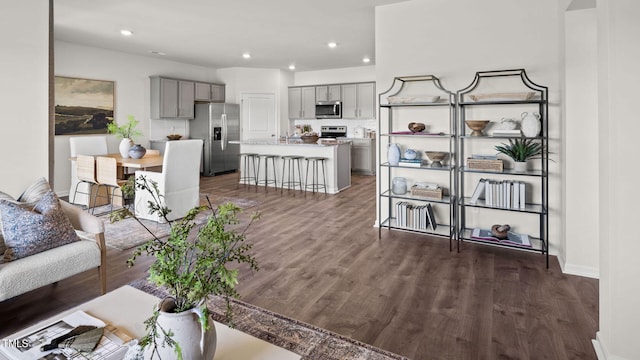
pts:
[322, 263]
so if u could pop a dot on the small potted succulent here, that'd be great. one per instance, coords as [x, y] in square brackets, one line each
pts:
[126, 132]
[521, 150]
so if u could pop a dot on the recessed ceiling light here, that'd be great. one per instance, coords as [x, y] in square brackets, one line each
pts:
[366, 60]
[332, 44]
[246, 56]
[158, 53]
[126, 32]
[292, 67]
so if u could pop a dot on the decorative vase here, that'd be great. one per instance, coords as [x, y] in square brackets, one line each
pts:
[399, 185]
[124, 147]
[410, 154]
[520, 166]
[393, 154]
[530, 124]
[195, 342]
[137, 151]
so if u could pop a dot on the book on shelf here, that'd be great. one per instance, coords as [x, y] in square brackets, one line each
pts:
[432, 218]
[411, 216]
[478, 192]
[501, 132]
[113, 343]
[410, 162]
[506, 194]
[513, 238]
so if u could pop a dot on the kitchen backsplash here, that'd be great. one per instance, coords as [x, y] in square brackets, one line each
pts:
[350, 124]
[159, 129]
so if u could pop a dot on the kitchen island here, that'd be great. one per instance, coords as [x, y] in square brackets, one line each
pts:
[337, 165]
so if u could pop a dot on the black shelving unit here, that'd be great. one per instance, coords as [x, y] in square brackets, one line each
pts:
[393, 120]
[535, 207]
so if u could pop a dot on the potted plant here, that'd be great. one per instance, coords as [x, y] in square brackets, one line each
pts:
[520, 150]
[191, 266]
[125, 132]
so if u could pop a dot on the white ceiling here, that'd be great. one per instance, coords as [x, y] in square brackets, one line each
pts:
[215, 33]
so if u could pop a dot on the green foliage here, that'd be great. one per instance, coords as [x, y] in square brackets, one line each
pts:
[193, 264]
[127, 130]
[521, 149]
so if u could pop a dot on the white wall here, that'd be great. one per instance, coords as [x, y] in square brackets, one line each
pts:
[580, 145]
[24, 35]
[454, 39]
[335, 76]
[131, 75]
[618, 74]
[251, 80]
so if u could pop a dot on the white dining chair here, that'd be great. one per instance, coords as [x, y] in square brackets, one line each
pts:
[178, 183]
[84, 145]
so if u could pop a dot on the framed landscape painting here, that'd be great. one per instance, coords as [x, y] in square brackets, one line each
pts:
[83, 106]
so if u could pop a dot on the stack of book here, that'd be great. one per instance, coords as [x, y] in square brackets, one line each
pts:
[512, 237]
[418, 217]
[506, 194]
[504, 132]
[410, 162]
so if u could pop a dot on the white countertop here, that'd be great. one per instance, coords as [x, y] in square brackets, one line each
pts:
[273, 142]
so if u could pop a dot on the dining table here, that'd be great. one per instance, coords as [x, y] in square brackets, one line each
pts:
[124, 165]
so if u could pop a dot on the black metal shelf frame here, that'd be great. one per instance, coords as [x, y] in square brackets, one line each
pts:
[541, 209]
[448, 99]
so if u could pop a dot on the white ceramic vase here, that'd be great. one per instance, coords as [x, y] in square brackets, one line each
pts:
[393, 154]
[530, 124]
[124, 147]
[195, 343]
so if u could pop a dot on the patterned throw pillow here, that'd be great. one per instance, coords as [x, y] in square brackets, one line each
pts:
[30, 232]
[27, 200]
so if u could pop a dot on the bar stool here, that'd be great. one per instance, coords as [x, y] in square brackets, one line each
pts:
[246, 176]
[290, 181]
[315, 185]
[266, 180]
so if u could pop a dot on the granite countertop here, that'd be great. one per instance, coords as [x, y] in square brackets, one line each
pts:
[290, 143]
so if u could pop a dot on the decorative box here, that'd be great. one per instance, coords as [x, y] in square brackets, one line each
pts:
[435, 194]
[485, 164]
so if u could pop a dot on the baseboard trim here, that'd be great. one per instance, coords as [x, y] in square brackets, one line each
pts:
[585, 271]
[598, 348]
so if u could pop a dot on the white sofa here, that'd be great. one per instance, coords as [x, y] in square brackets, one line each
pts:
[44, 268]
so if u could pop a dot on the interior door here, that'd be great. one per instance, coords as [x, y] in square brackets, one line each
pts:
[258, 116]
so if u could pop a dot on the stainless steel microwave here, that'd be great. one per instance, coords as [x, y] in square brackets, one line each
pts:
[329, 110]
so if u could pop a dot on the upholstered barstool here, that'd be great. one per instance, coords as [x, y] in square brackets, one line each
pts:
[249, 174]
[263, 178]
[289, 163]
[315, 185]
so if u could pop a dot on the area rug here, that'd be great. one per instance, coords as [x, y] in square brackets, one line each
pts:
[308, 341]
[128, 233]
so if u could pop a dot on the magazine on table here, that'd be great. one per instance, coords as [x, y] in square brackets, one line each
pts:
[111, 346]
[512, 237]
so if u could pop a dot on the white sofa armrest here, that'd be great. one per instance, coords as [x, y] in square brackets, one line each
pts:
[82, 220]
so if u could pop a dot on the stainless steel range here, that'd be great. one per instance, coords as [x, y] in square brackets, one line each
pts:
[333, 132]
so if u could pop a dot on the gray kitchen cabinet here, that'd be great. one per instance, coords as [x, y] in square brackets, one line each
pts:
[358, 101]
[209, 92]
[171, 98]
[328, 93]
[363, 156]
[302, 102]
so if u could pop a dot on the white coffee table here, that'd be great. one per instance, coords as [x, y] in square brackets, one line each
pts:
[126, 308]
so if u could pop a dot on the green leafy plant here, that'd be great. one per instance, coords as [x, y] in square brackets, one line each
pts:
[127, 130]
[521, 149]
[192, 265]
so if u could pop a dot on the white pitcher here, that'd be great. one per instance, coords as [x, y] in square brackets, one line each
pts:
[530, 125]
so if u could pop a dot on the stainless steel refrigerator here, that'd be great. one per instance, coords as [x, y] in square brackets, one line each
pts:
[217, 124]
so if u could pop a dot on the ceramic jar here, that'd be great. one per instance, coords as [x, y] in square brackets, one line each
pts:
[137, 151]
[530, 125]
[410, 154]
[399, 185]
[393, 154]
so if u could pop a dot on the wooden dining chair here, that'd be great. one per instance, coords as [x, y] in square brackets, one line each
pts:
[86, 174]
[107, 176]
